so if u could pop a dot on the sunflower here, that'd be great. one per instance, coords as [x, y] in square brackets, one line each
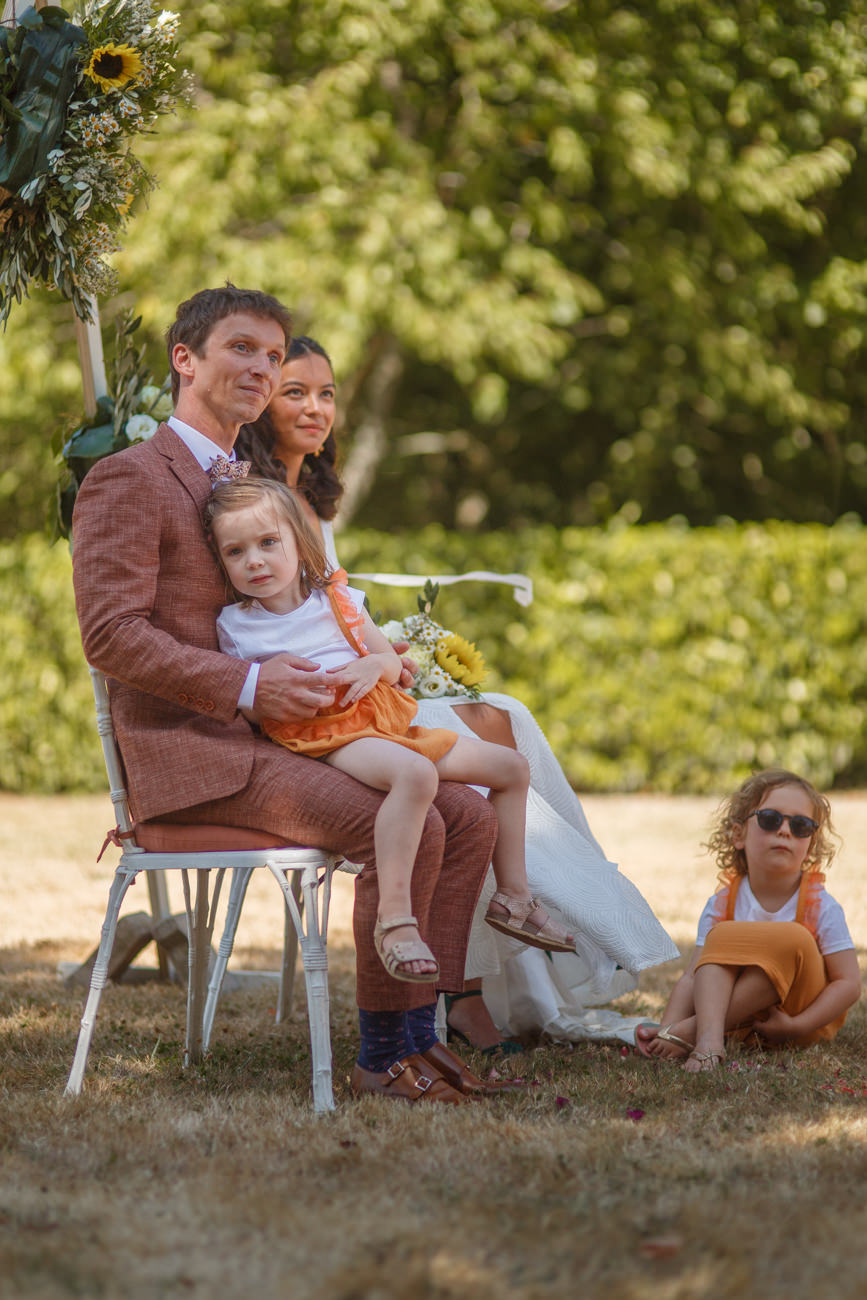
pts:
[460, 659]
[112, 66]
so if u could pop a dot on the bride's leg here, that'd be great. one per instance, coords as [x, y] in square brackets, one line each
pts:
[487, 722]
[469, 1021]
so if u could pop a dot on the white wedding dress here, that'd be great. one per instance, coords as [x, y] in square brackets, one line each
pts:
[562, 995]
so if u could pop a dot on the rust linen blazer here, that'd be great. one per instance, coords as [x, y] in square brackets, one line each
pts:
[148, 589]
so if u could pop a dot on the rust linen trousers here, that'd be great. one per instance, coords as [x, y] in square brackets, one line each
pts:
[331, 810]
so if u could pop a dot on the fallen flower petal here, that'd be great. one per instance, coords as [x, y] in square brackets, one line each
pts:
[661, 1247]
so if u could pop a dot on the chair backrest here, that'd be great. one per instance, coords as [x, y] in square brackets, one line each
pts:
[522, 586]
[113, 765]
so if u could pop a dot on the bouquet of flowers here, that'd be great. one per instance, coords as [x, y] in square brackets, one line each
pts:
[131, 412]
[73, 94]
[447, 663]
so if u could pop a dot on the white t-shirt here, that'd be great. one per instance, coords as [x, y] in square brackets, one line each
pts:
[832, 932]
[311, 631]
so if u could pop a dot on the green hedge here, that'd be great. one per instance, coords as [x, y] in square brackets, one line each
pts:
[654, 657]
[46, 703]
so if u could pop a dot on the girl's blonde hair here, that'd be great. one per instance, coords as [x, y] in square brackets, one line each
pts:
[735, 810]
[251, 492]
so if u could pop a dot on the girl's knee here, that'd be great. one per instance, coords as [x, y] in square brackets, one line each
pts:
[417, 778]
[514, 770]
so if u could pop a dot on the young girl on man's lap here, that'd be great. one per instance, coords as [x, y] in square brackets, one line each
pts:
[773, 953]
[288, 601]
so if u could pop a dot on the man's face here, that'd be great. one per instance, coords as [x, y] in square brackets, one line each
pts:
[232, 381]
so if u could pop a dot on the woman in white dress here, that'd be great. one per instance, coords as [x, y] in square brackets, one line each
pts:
[510, 989]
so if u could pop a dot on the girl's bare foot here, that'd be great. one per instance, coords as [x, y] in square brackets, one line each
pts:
[665, 1042]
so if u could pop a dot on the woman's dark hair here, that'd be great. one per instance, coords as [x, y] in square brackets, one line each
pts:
[319, 481]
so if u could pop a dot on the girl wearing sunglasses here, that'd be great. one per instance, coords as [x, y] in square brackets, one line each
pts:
[773, 953]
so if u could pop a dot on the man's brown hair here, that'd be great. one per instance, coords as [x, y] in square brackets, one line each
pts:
[196, 317]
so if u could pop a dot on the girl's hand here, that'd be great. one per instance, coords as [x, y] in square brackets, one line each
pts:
[359, 676]
[777, 1026]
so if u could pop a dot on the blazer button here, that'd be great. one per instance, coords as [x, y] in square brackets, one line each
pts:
[209, 705]
[184, 699]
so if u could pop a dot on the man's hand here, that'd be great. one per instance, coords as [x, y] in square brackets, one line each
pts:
[290, 689]
[409, 672]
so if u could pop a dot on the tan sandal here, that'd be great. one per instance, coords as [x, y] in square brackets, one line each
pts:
[706, 1060]
[517, 924]
[668, 1037]
[403, 951]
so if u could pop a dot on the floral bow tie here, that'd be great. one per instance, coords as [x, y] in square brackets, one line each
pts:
[224, 470]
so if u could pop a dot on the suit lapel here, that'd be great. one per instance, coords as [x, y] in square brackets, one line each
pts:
[182, 463]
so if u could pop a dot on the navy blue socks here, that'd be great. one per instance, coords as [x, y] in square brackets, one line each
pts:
[420, 1026]
[389, 1036]
[384, 1039]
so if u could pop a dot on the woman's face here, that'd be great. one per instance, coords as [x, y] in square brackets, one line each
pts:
[302, 409]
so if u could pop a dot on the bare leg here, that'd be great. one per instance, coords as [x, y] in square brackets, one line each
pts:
[411, 783]
[725, 997]
[470, 1017]
[488, 722]
[507, 775]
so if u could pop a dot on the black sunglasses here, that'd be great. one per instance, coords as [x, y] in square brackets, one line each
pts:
[771, 820]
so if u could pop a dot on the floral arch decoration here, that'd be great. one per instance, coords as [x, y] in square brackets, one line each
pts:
[75, 90]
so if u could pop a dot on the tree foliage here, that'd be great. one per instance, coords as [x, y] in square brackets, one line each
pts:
[571, 260]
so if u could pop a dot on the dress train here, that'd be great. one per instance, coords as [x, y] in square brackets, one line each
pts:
[532, 992]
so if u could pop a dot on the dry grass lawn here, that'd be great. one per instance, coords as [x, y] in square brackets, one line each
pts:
[611, 1177]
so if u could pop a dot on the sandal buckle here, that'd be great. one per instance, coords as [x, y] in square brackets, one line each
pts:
[423, 1083]
[396, 1070]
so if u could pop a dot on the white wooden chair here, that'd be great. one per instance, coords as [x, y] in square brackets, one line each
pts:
[522, 586]
[157, 847]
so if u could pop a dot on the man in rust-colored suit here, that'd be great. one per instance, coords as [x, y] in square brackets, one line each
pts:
[148, 590]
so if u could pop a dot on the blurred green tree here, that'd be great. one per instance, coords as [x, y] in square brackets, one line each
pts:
[571, 260]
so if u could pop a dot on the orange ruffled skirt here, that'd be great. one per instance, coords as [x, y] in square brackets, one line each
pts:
[385, 713]
[787, 953]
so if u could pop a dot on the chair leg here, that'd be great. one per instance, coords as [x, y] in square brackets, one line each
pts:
[241, 877]
[290, 956]
[200, 923]
[315, 960]
[158, 894]
[123, 878]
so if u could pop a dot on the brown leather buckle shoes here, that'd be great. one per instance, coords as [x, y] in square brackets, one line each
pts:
[453, 1070]
[411, 1079]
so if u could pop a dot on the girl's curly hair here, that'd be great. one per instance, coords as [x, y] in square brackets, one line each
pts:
[735, 810]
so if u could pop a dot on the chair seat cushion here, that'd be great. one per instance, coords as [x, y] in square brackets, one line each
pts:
[173, 837]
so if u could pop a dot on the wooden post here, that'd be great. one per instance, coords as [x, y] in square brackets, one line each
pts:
[89, 339]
